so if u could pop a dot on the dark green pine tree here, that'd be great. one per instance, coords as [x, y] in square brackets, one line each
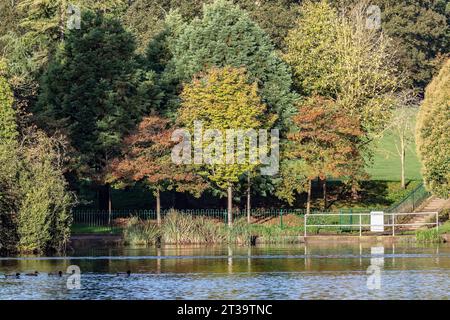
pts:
[421, 31]
[95, 92]
[275, 17]
[227, 36]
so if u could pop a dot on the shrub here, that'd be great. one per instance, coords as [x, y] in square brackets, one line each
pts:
[433, 134]
[186, 229]
[444, 215]
[9, 159]
[34, 202]
[178, 228]
[44, 215]
[9, 196]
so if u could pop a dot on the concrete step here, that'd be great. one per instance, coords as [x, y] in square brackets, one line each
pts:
[433, 204]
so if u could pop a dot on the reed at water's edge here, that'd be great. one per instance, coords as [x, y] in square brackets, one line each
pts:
[178, 228]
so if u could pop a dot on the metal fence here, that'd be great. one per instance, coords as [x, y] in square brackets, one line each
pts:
[412, 201]
[362, 221]
[96, 218]
[344, 218]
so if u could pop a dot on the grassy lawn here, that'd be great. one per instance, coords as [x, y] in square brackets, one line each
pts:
[375, 194]
[386, 165]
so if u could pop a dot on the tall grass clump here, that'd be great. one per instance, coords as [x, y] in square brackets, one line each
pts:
[428, 236]
[445, 228]
[178, 228]
[186, 229]
[241, 232]
[277, 234]
[140, 232]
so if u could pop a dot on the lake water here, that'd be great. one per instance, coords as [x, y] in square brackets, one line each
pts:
[265, 272]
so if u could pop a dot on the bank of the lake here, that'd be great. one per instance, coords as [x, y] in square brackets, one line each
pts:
[301, 271]
[117, 240]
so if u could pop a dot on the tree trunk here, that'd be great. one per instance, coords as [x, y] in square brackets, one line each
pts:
[324, 188]
[103, 197]
[158, 207]
[308, 201]
[109, 199]
[104, 200]
[354, 191]
[230, 206]
[109, 204]
[248, 198]
[402, 159]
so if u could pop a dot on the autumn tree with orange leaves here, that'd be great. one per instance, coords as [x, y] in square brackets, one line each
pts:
[147, 158]
[326, 140]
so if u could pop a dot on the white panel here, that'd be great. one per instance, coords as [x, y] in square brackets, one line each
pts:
[377, 221]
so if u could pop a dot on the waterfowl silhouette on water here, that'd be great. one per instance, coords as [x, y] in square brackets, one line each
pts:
[124, 274]
[33, 274]
[12, 276]
[59, 274]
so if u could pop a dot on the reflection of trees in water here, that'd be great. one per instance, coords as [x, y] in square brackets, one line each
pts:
[230, 260]
[28, 265]
[158, 261]
[247, 260]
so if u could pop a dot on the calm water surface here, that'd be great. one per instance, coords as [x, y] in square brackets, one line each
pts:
[264, 272]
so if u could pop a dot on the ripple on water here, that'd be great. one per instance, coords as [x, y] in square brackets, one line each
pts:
[395, 284]
[286, 273]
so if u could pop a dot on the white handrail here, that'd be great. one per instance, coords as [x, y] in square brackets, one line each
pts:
[361, 225]
[368, 214]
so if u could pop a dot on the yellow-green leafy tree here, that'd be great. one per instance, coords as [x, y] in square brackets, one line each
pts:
[9, 162]
[335, 56]
[433, 134]
[338, 57]
[222, 99]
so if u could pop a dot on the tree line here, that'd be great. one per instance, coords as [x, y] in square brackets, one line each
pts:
[98, 104]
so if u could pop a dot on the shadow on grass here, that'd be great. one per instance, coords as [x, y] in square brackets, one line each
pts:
[78, 229]
[373, 194]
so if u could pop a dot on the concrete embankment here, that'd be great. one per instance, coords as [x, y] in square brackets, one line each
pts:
[96, 239]
[323, 239]
[342, 239]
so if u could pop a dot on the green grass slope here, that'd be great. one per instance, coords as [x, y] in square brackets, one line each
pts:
[386, 165]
